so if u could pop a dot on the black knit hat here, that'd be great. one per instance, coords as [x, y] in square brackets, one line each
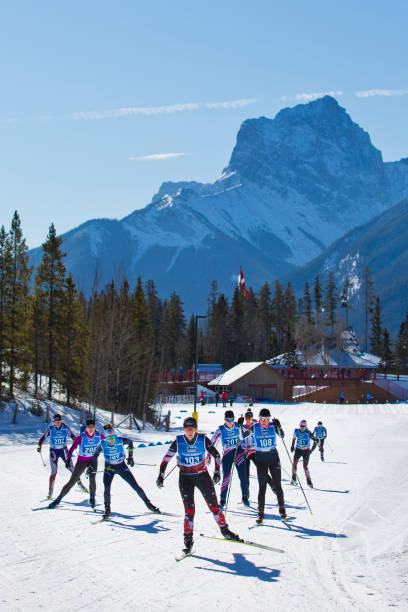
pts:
[249, 413]
[264, 412]
[57, 417]
[320, 423]
[90, 422]
[190, 422]
[229, 414]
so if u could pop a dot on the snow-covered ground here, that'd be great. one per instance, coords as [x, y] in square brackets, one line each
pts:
[351, 554]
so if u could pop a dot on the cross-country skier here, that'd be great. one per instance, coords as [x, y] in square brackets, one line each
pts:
[267, 460]
[320, 434]
[58, 433]
[88, 443]
[249, 445]
[233, 452]
[301, 446]
[114, 453]
[191, 448]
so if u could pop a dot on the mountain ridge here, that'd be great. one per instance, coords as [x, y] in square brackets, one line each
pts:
[293, 185]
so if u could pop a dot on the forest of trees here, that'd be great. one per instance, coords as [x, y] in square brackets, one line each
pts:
[114, 347]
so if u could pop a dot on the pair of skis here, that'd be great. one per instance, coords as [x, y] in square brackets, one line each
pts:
[245, 542]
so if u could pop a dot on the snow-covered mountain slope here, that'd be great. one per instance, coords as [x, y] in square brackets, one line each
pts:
[380, 244]
[351, 554]
[294, 184]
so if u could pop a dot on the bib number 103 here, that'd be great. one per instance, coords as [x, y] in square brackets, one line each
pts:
[192, 460]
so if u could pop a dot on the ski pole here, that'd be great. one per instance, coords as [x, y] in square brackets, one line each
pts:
[44, 464]
[329, 447]
[298, 479]
[230, 480]
[172, 470]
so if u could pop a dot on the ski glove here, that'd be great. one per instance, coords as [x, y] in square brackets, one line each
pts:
[240, 421]
[38, 449]
[68, 464]
[160, 480]
[292, 448]
[130, 461]
[276, 423]
[216, 477]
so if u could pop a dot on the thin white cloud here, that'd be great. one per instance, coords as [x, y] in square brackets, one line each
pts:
[9, 121]
[156, 156]
[309, 97]
[381, 92]
[161, 110]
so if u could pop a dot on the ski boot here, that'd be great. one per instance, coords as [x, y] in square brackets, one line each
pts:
[293, 481]
[260, 518]
[309, 482]
[54, 503]
[322, 457]
[49, 496]
[152, 507]
[229, 535]
[282, 512]
[92, 501]
[245, 501]
[107, 512]
[188, 543]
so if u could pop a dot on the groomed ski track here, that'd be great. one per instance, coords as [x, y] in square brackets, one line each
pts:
[350, 555]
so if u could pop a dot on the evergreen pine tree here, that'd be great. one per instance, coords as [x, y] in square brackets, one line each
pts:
[49, 287]
[345, 298]
[401, 347]
[264, 345]
[278, 313]
[16, 306]
[376, 339]
[330, 302]
[318, 295]
[236, 351]
[307, 304]
[73, 350]
[368, 300]
[5, 258]
[387, 357]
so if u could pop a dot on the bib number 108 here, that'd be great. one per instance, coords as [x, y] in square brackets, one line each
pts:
[267, 442]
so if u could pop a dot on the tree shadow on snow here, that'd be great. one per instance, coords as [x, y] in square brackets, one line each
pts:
[306, 532]
[241, 566]
[152, 527]
[331, 490]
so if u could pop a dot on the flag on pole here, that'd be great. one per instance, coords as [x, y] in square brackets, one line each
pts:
[241, 282]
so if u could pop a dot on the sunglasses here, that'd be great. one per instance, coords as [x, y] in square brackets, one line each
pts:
[264, 419]
[230, 420]
[111, 438]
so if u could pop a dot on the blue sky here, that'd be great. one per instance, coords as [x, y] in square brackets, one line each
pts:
[90, 89]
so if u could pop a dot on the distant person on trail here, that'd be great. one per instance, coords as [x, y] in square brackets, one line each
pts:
[341, 397]
[369, 398]
[191, 448]
[233, 453]
[88, 443]
[217, 399]
[224, 398]
[114, 453]
[320, 434]
[231, 399]
[301, 446]
[58, 433]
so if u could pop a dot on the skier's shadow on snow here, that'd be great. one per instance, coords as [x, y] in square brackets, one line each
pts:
[307, 532]
[152, 527]
[241, 566]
